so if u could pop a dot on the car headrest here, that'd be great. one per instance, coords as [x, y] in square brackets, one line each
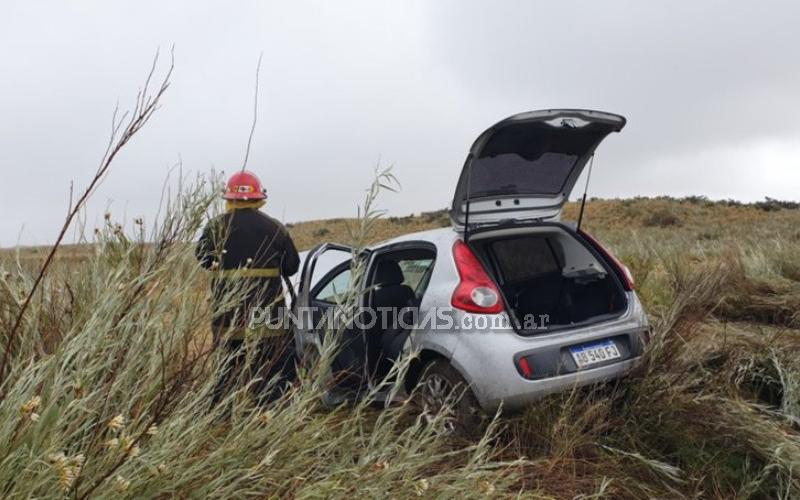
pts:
[388, 273]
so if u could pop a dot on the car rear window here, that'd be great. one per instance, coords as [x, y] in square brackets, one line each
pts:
[522, 259]
[512, 174]
[521, 159]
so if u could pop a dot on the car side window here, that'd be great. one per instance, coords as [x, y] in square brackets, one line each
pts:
[337, 285]
[414, 272]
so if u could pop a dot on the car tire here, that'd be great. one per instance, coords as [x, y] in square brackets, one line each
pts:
[440, 386]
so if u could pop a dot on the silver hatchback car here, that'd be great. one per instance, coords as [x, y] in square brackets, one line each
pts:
[509, 301]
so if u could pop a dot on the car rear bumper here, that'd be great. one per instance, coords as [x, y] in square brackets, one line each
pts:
[524, 392]
[488, 361]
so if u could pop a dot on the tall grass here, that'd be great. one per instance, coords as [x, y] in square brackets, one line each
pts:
[108, 393]
[710, 411]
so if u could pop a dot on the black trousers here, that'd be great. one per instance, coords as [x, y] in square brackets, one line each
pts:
[272, 362]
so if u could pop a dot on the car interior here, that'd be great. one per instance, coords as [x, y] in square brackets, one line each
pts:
[541, 278]
[398, 281]
[395, 281]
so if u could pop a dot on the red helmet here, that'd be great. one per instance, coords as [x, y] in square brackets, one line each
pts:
[244, 185]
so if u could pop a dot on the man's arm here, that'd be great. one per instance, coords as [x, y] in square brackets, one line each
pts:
[290, 262]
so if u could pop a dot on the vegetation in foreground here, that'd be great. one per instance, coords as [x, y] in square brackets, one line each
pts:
[106, 393]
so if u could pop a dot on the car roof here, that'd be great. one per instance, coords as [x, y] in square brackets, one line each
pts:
[431, 235]
[439, 236]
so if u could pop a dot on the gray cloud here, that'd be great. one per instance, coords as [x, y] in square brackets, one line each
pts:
[708, 87]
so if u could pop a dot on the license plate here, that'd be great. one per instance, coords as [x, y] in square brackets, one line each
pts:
[592, 354]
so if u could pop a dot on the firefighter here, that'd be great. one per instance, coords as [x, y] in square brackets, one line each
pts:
[248, 253]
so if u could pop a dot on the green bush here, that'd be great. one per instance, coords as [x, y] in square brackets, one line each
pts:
[773, 205]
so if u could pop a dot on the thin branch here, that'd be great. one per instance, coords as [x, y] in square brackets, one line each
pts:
[255, 115]
[71, 194]
[143, 111]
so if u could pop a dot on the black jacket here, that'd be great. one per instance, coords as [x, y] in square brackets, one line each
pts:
[245, 238]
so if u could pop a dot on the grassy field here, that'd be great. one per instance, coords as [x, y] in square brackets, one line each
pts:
[106, 391]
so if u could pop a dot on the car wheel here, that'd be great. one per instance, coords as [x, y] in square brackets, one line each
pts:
[443, 392]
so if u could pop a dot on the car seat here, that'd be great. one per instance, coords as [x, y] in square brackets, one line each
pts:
[389, 292]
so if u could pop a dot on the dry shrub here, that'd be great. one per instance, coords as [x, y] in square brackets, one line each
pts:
[661, 218]
[711, 410]
[708, 412]
[760, 291]
[108, 396]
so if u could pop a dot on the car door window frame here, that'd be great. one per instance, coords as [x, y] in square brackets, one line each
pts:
[378, 253]
[303, 295]
[327, 279]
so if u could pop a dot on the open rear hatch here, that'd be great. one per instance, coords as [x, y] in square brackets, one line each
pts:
[514, 184]
[550, 276]
[524, 167]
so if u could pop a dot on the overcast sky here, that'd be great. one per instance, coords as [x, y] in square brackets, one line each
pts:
[711, 91]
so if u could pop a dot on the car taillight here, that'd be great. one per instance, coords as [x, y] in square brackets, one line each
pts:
[476, 292]
[525, 367]
[621, 269]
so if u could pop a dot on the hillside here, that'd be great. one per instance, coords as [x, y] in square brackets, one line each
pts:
[692, 215]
